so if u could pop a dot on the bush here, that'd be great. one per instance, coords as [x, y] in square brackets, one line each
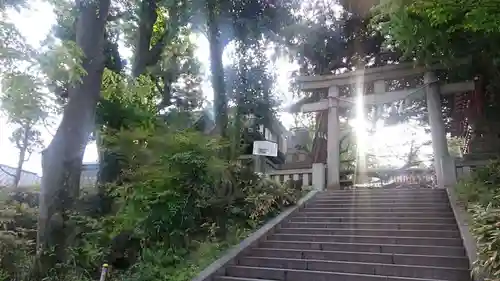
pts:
[163, 263]
[17, 237]
[178, 195]
[486, 230]
[177, 207]
[482, 186]
[481, 195]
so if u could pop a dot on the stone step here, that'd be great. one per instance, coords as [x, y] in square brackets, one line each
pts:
[232, 278]
[372, 225]
[434, 241]
[398, 259]
[412, 271]
[365, 247]
[416, 197]
[368, 204]
[417, 220]
[279, 274]
[390, 192]
[345, 213]
[375, 201]
[434, 209]
[383, 190]
[372, 232]
[360, 235]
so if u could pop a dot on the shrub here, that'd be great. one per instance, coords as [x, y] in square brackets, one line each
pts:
[17, 237]
[179, 194]
[481, 195]
[177, 182]
[486, 230]
[482, 186]
[178, 206]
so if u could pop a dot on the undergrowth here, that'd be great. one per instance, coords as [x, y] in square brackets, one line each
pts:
[177, 208]
[481, 195]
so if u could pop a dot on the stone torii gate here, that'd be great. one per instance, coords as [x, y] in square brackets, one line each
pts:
[443, 163]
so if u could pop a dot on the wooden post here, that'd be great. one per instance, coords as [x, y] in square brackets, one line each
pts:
[104, 272]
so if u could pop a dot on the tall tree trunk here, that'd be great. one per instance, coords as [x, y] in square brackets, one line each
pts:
[217, 69]
[143, 55]
[23, 147]
[62, 160]
[220, 100]
[19, 168]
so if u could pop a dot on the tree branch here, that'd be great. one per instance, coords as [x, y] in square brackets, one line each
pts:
[8, 173]
[45, 125]
[29, 156]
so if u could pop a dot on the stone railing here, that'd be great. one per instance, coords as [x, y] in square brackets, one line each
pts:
[282, 176]
[463, 168]
[314, 177]
[387, 177]
[426, 177]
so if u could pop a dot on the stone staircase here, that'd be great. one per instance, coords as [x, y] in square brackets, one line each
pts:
[361, 235]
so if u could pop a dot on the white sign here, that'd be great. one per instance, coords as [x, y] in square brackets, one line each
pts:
[266, 148]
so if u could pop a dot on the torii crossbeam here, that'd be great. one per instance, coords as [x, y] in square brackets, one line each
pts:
[432, 90]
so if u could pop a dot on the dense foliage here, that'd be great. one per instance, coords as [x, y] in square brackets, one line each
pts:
[481, 195]
[169, 198]
[168, 201]
[168, 221]
[442, 31]
[460, 35]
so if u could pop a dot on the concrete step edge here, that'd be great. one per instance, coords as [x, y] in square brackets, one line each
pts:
[380, 201]
[364, 244]
[366, 253]
[387, 191]
[423, 190]
[388, 197]
[370, 203]
[232, 278]
[371, 236]
[351, 211]
[366, 263]
[444, 208]
[389, 223]
[369, 229]
[334, 274]
[402, 226]
[393, 194]
[375, 218]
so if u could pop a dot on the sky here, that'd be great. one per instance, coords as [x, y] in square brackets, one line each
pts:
[36, 23]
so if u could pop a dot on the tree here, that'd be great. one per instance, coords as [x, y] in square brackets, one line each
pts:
[435, 31]
[22, 100]
[62, 159]
[461, 35]
[24, 104]
[158, 34]
[233, 20]
[216, 68]
[250, 89]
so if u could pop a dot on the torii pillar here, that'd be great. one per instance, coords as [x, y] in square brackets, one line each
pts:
[333, 146]
[443, 163]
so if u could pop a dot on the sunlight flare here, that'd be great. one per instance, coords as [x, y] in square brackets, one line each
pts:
[361, 132]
